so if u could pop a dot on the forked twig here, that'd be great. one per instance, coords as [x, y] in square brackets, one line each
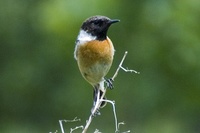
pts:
[97, 106]
[100, 99]
[120, 66]
[74, 120]
[114, 113]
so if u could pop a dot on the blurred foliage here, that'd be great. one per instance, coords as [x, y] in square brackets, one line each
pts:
[40, 82]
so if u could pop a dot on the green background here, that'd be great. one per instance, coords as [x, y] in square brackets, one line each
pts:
[40, 82]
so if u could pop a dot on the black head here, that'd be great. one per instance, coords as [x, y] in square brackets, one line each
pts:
[98, 26]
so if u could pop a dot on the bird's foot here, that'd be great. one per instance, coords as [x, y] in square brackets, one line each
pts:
[96, 113]
[109, 83]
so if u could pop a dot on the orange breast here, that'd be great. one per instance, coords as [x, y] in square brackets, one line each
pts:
[94, 51]
[95, 59]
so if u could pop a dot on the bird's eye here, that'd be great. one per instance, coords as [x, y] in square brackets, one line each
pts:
[99, 23]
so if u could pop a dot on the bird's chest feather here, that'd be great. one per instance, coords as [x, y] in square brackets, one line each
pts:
[95, 52]
[95, 59]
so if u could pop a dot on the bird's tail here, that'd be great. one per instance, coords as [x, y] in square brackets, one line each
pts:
[99, 87]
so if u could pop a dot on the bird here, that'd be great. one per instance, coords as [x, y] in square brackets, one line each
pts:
[94, 52]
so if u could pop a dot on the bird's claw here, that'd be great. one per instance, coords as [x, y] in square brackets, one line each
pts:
[109, 83]
[96, 113]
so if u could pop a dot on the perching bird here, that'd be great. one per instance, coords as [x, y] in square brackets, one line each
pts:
[94, 52]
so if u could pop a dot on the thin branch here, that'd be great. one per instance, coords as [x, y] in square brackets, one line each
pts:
[96, 107]
[127, 70]
[61, 126]
[114, 113]
[61, 123]
[97, 131]
[120, 66]
[100, 99]
[73, 129]
[122, 123]
[115, 75]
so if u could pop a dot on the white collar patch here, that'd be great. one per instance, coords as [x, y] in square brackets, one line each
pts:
[84, 37]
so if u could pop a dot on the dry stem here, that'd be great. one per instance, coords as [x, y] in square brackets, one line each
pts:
[100, 99]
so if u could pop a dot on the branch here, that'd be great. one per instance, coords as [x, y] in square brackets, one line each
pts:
[73, 129]
[96, 107]
[122, 123]
[115, 115]
[74, 120]
[100, 99]
[120, 66]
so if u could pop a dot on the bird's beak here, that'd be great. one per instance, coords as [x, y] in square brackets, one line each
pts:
[114, 21]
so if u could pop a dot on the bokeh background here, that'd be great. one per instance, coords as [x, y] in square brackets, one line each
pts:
[40, 82]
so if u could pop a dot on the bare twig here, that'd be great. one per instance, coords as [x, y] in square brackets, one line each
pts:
[96, 107]
[120, 66]
[73, 129]
[114, 113]
[122, 123]
[61, 123]
[61, 126]
[54, 132]
[100, 99]
[97, 131]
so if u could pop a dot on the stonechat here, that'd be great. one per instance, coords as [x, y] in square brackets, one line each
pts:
[94, 51]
